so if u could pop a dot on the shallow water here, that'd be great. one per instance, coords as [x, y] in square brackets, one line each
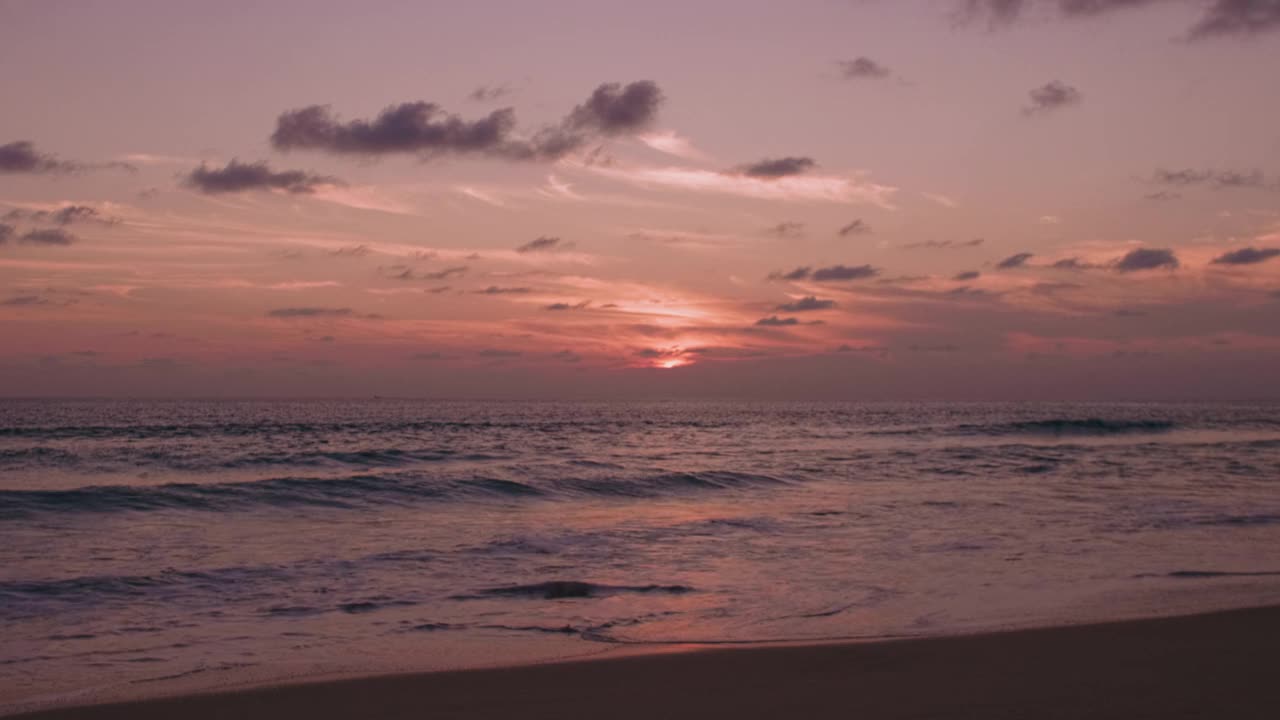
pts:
[146, 543]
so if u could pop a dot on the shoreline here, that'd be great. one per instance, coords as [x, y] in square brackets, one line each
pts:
[1217, 663]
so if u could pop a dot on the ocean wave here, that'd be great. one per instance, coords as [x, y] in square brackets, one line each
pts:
[355, 491]
[562, 589]
[1204, 574]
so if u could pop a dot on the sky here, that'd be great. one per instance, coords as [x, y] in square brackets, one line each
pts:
[857, 199]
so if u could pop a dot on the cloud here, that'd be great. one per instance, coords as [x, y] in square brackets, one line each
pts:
[1246, 256]
[1147, 259]
[777, 167]
[841, 272]
[425, 129]
[6, 232]
[445, 274]
[66, 215]
[1237, 17]
[352, 251]
[496, 290]
[827, 274]
[488, 93]
[309, 312]
[791, 187]
[21, 157]
[567, 306]
[1073, 264]
[24, 300]
[1014, 261]
[775, 321]
[543, 244]
[967, 275]
[863, 68]
[1220, 17]
[670, 143]
[52, 236]
[857, 227]
[1052, 96]
[493, 353]
[1220, 179]
[944, 244]
[787, 229]
[567, 356]
[1162, 195]
[806, 304]
[614, 109]
[240, 177]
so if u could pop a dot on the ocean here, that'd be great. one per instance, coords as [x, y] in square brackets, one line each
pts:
[154, 546]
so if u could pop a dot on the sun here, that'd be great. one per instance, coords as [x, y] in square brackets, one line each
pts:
[672, 363]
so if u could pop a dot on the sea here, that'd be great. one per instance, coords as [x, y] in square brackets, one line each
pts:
[153, 547]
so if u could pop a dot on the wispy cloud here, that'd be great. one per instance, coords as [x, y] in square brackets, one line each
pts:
[814, 188]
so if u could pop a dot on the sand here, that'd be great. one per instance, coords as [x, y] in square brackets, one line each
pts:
[1218, 665]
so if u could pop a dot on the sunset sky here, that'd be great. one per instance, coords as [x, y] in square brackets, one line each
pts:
[1059, 199]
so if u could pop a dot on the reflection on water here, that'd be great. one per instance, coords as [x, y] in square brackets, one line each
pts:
[148, 544]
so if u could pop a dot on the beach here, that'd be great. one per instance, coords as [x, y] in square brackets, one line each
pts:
[1216, 665]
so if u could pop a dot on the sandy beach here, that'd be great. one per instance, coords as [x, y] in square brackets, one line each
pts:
[1218, 665]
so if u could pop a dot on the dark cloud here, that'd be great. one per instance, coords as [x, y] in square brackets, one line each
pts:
[240, 177]
[6, 232]
[67, 215]
[857, 227]
[841, 272]
[24, 300]
[1147, 259]
[1219, 18]
[944, 244]
[1221, 179]
[488, 93]
[1073, 264]
[1014, 261]
[568, 306]
[773, 168]
[1246, 256]
[787, 229]
[967, 275]
[775, 321]
[1162, 195]
[614, 109]
[806, 304]
[863, 68]
[833, 273]
[495, 290]
[567, 356]
[415, 127]
[543, 244]
[1238, 17]
[309, 312]
[52, 236]
[22, 157]
[425, 129]
[1052, 96]
[493, 353]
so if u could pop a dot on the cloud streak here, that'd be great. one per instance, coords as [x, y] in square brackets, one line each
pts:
[425, 129]
[1052, 96]
[239, 176]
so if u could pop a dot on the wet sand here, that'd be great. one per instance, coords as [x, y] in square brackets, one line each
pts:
[1218, 665]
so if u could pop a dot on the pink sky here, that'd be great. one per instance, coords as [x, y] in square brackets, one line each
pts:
[861, 199]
